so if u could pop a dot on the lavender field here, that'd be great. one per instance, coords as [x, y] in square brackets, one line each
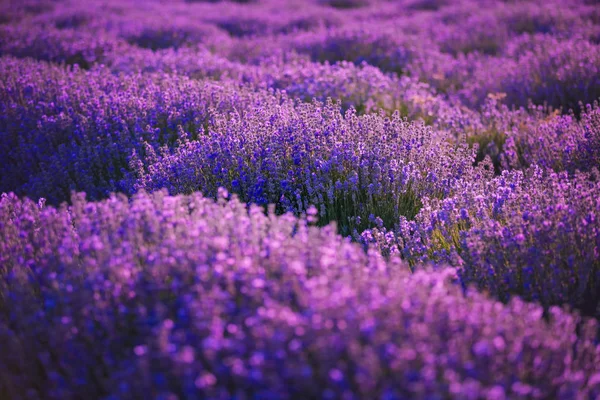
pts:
[299, 199]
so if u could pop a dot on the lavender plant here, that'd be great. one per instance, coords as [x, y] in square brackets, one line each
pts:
[534, 234]
[68, 129]
[355, 169]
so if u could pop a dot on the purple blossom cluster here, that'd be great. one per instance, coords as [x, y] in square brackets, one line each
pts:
[354, 169]
[60, 46]
[536, 135]
[214, 199]
[183, 297]
[541, 69]
[68, 129]
[530, 233]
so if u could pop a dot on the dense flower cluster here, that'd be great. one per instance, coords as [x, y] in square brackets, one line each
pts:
[67, 129]
[351, 168]
[184, 183]
[532, 233]
[184, 297]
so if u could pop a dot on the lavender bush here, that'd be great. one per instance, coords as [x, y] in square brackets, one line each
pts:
[355, 170]
[67, 129]
[532, 233]
[181, 297]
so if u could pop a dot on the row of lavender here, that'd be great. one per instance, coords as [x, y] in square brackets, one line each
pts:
[47, 109]
[546, 53]
[182, 297]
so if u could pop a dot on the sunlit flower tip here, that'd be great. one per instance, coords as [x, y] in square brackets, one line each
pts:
[223, 193]
[140, 350]
[168, 324]
[258, 283]
[520, 238]
[187, 354]
[336, 375]
[205, 380]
